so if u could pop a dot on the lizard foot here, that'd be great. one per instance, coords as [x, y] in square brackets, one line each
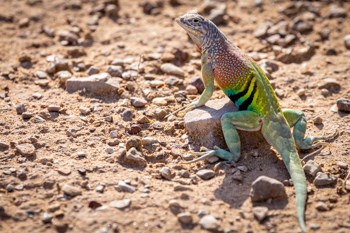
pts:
[223, 154]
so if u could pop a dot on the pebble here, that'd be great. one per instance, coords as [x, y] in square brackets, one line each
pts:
[20, 109]
[100, 188]
[46, 218]
[209, 222]
[93, 70]
[121, 204]
[268, 65]
[147, 141]
[185, 218]
[342, 165]
[160, 101]
[175, 206]
[171, 69]
[4, 146]
[166, 173]
[238, 176]
[156, 83]
[26, 149]
[343, 105]
[311, 168]
[63, 76]
[37, 95]
[84, 110]
[134, 157]
[27, 115]
[127, 115]
[124, 187]
[198, 83]
[260, 212]
[322, 179]
[42, 83]
[191, 90]
[41, 74]
[321, 206]
[134, 129]
[347, 185]
[317, 120]
[64, 171]
[330, 84]
[138, 102]
[205, 174]
[114, 134]
[264, 188]
[71, 190]
[347, 41]
[159, 113]
[109, 150]
[53, 108]
[10, 188]
[337, 11]
[174, 81]
[135, 142]
[115, 71]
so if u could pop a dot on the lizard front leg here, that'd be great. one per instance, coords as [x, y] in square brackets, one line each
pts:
[297, 119]
[208, 80]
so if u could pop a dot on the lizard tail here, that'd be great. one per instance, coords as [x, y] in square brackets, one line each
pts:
[277, 133]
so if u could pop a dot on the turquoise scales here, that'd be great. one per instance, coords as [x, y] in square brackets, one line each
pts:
[245, 83]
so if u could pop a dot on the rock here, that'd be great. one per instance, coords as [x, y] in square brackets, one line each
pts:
[41, 74]
[160, 101]
[112, 10]
[10, 188]
[138, 102]
[311, 168]
[27, 115]
[26, 149]
[134, 129]
[347, 185]
[191, 90]
[21, 108]
[159, 113]
[42, 83]
[147, 141]
[135, 142]
[217, 15]
[53, 108]
[84, 110]
[63, 76]
[175, 206]
[37, 95]
[127, 115]
[174, 81]
[71, 190]
[343, 105]
[57, 63]
[115, 71]
[124, 187]
[166, 173]
[109, 150]
[99, 84]
[342, 165]
[185, 218]
[67, 37]
[260, 212]
[321, 206]
[198, 83]
[23, 22]
[302, 26]
[318, 120]
[134, 157]
[330, 84]
[336, 11]
[205, 174]
[238, 176]
[46, 218]
[100, 188]
[322, 179]
[268, 66]
[264, 188]
[261, 30]
[199, 120]
[4, 146]
[151, 7]
[171, 69]
[120, 204]
[347, 41]
[209, 222]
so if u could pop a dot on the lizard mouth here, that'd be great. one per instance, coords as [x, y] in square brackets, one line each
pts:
[188, 29]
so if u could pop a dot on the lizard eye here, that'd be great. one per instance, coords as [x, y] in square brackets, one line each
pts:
[195, 20]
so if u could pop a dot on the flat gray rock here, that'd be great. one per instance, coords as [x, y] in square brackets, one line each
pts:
[99, 84]
[204, 125]
[264, 188]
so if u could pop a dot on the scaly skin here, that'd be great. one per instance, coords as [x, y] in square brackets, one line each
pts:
[244, 82]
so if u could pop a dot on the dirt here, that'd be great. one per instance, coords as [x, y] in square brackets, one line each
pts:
[60, 168]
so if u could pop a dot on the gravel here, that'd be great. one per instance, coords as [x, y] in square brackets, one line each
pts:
[264, 188]
[209, 222]
[206, 174]
[322, 179]
[26, 149]
[121, 204]
[71, 190]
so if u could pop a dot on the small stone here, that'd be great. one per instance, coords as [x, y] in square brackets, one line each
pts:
[121, 204]
[336, 11]
[322, 179]
[217, 15]
[311, 168]
[93, 70]
[53, 108]
[71, 190]
[330, 84]
[238, 176]
[209, 222]
[321, 206]
[260, 212]
[26, 149]
[127, 115]
[115, 71]
[342, 165]
[64, 171]
[347, 41]
[347, 185]
[198, 83]
[171, 69]
[317, 120]
[46, 218]
[82, 171]
[37, 95]
[343, 105]
[325, 92]
[174, 81]
[27, 115]
[160, 101]
[159, 113]
[24, 22]
[41, 74]
[4, 146]
[42, 83]
[302, 26]
[261, 30]
[205, 174]
[185, 218]
[21, 108]
[124, 187]
[156, 83]
[264, 188]
[138, 102]
[10, 188]
[191, 90]
[100, 188]
[112, 10]
[84, 110]
[109, 150]
[166, 173]
[268, 66]
[175, 206]
[63, 76]
[147, 141]
[114, 134]
[242, 168]
[134, 157]
[135, 142]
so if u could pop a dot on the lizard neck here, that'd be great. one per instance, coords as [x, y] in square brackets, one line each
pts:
[212, 39]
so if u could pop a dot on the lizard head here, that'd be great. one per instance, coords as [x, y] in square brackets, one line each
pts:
[196, 26]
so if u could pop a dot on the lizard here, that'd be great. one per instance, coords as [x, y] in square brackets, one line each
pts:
[246, 84]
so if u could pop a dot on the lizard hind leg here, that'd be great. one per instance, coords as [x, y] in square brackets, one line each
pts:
[230, 122]
[297, 120]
